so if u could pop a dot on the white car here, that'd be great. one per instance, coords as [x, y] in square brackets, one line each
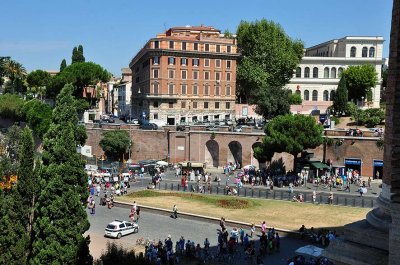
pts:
[118, 228]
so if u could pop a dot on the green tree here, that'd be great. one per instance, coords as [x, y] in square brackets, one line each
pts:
[10, 106]
[63, 65]
[80, 53]
[359, 81]
[115, 143]
[61, 219]
[340, 97]
[16, 72]
[77, 55]
[38, 81]
[268, 57]
[38, 115]
[295, 99]
[116, 254]
[291, 134]
[228, 34]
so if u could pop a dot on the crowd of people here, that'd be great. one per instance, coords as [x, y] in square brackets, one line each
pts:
[320, 236]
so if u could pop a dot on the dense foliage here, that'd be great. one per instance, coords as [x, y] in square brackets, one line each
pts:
[268, 57]
[295, 99]
[10, 106]
[359, 81]
[340, 97]
[115, 143]
[369, 117]
[38, 116]
[116, 254]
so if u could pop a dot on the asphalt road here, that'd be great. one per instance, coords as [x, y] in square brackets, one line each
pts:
[158, 227]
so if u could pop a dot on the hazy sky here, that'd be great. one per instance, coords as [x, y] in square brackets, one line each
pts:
[39, 34]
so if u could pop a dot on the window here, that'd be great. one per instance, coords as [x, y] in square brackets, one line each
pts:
[217, 90]
[195, 62]
[183, 105]
[340, 71]
[156, 60]
[333, 72]
[228, 48]
[156, 44]
[195, 90]
[218, 48]
[155, 115]
[228, 64]
[206, 90]
[228, 76]
[195, 105]
[227, 105]
[195, 46]
[183, 89]
[326, 95]
[315, 72]
[171, 44]
[315, 95]
[372, 52]
[171, 73]
[184, 74]
[155, 104]
[171, 105]
[326, 72]
[217, 76]
[195, 75]
[353, 51]
[364, 52]
[171, 60]
[207, 47]
[228, 91]
[298, 72]
[307, 72]
[171, 89]
[332, 95]
[155, 73]
[218, 63]
[206, 75]
[206, 105]
[216, 105]
[306, 95]
[183, 61]
[184, 46]
[206, 62]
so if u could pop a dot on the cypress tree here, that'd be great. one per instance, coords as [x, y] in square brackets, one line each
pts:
[63, 65]
[80, 52]
[61, 218]
[75, 56]
[340, 97]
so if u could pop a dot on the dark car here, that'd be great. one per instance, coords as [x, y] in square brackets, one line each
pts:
[148, 126]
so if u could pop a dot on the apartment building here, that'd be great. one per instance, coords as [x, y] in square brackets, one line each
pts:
[186, 74]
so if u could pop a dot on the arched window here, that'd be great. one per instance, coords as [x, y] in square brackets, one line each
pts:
[298, 92]
[326, 95]
[364, 52]
[307, 72]
[333, 72]
[315, 72]
[326, 72]
[332, 95]
[306, 95]
[340, 72]
[155, 88]
[372, 52]
[298, 72]
[315, 95]
[353, 51]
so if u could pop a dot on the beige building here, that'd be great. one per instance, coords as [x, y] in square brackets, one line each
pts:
[319, 71]
[184, 75]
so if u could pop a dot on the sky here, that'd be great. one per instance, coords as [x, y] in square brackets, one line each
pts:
[39, 34]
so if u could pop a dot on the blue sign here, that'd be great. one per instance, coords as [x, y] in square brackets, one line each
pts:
[378, 163]
[352, 162]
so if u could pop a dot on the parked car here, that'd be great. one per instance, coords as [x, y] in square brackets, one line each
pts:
[148, 126]
[238, 129]
[180, 128]
[119, 228]
[228, 122]
[212, 128]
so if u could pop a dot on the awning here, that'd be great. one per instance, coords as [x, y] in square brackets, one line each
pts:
[319, 165]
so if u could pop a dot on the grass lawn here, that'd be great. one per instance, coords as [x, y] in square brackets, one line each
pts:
[276, 213]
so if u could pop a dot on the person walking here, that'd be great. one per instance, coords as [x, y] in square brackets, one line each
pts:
[137, 214]
[175, 211]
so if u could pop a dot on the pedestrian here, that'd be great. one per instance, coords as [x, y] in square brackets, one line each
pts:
[241, 235]
[252, 230]
[98, 188]
[330, 198]
[314, 196]
[278, 241]
[222, 223]
[92, 206]
[137, 213]
[263, 228]
[369, 182]
[175, 211]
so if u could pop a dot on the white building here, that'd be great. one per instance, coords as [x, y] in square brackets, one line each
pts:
[319, 71]
[124, 98]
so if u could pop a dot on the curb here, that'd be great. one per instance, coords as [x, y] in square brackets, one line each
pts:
[283, 232]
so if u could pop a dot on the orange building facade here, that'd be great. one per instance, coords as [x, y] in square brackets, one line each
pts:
[186, 74]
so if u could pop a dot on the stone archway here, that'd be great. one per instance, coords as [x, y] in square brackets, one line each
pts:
[211, 156]
[235, 153]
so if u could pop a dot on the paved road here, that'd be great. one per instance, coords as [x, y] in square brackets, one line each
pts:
[154, 226]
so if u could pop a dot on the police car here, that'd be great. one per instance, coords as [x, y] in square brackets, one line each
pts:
[119, 228]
